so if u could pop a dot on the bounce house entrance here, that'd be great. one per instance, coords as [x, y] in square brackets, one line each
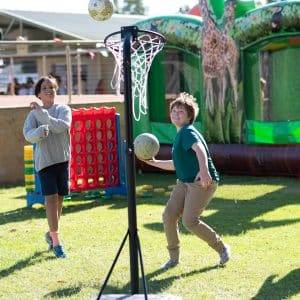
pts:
[173, 71]
[272, 89]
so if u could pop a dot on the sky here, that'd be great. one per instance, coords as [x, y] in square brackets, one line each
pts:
[155, 7]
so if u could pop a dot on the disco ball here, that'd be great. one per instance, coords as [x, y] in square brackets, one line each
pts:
[101, 10]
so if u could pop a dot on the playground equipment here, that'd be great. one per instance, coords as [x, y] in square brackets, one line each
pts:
[260, 136]
[95, 151]
[29, 171]
[96, 155]
[217, 6]
[32, 183]
[138, 47]
[142, 57]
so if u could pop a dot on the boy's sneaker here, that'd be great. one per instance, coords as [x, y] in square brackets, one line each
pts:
[59, 251]
[49, 241]
[171, 263]
[225, 255]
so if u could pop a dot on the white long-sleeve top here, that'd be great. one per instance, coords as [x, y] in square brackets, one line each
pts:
[54, 148]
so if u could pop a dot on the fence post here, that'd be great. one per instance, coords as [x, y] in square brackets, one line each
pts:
[79, 84]
[44, 65]
[12, 75]
[69, 73]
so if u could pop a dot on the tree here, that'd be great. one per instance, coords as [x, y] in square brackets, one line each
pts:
[117, 7]
[133, 7]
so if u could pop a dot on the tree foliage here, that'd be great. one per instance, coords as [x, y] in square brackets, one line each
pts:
[184, 9]
[133, 7]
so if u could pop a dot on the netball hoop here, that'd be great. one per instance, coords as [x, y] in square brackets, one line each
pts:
[144, 47]
[134, 51]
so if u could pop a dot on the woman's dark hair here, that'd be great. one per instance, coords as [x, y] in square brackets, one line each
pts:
[38, 85]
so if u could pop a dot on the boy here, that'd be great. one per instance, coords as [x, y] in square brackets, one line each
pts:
[48, 127]
[197, 181]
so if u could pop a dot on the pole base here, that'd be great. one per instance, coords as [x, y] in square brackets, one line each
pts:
[139, 297]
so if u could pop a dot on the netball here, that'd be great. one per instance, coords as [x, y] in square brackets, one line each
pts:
[146, 146]
[100, 10]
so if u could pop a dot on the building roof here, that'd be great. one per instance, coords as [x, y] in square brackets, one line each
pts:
[74, 25]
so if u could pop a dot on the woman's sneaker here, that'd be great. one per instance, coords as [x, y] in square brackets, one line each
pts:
[225, 255]
[59, 251]
[49, 241]
[171, 263]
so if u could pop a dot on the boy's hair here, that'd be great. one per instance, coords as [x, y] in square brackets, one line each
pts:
[189, 103]
[38, 85]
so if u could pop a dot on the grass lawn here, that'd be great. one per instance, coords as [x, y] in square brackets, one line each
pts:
[258, 217]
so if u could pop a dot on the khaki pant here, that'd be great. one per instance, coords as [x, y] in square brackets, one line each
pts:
[188, 200]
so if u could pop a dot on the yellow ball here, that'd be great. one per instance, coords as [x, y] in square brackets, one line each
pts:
[100, 10]
[146, 146]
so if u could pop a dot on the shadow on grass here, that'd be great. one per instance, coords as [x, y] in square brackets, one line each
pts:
[71, 291]
[121, 204]
[21, 197]
[156, 178]
[283, 288]
[254, 180]
[37, 257]
[159, 285]
[154, 285]
[65, 292]
[233, 217]
[25, 213]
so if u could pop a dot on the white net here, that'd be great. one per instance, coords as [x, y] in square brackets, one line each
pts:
[143, 50]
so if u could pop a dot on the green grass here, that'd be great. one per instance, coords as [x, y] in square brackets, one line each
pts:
[258, 217]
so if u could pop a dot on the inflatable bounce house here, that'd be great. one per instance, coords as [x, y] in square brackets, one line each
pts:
[240, 62]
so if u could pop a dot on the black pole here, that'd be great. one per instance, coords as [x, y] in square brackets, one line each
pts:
[142, 269]
[128, 34]
[112, 266]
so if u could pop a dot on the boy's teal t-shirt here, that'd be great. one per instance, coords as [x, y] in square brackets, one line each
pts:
[184, 157]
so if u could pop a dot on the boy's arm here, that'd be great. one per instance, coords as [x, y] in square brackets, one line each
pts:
[56, 125]
[167, 165]
[203, 175]
[32, 132]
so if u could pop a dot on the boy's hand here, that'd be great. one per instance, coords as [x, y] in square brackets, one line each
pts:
[46, 131]
[204, 179]
[35, 105]
[150, 161]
